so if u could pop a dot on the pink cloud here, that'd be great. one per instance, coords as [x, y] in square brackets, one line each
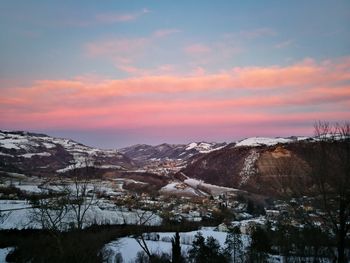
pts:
[297, 76]
[245, 95]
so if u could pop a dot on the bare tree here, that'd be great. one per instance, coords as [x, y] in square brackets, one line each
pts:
[81, 193]
[327, 182]
[50, 212]
[331, 175]
[72, 197]
[145, 217]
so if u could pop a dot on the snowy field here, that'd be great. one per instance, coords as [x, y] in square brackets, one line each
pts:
[4, 252]
[21, 216]
[128, 246]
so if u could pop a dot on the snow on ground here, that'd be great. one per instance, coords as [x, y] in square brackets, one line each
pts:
[30, 155]
[180, 189]
[244, 223]
[16, 175]
[16, 141]
[33, 144]
[6, 154]
[13, 204]
[4, 252]
[127, 180]
[80, 161]
[38, 185]
[29, 188]
[49, 145]
[203, 147]
[109, 166]
[211, 188]
[257, 141]
[16, 218]
[11, 144]
[128, 246]
[99, 214]
[248, 169]
[82, 158]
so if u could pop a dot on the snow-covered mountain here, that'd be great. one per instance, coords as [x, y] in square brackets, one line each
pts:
[247, 164]
[252, 163]
[40, 154]
[266, 141]
[143, 153]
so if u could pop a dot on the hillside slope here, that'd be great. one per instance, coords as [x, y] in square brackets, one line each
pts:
[39, 154]
[257, 165]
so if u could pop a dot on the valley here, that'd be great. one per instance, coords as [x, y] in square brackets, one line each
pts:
[60, 185]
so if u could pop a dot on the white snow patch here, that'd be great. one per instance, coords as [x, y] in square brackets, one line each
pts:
[6, 154]
[211, 188]
[4, 252]
[258, 141]
[203, 147]
[111, 166]
[16, 141]
[49, 145]
[248, 169]
[30, 155]
[179, 188]
[9, 144]
[29, 188]
[191, 146]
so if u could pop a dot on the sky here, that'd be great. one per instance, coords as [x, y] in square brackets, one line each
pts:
[116, 73]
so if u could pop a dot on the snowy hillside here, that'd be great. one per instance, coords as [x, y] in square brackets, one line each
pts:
[258, 141]
[144, 153]
[23, 151]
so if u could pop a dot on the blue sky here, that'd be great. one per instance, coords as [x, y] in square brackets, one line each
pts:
[71, 49]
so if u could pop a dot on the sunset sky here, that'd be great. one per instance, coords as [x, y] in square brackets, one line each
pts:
[116, 73]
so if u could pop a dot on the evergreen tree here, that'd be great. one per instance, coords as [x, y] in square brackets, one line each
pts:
[176, 249]
[196, 253]
[206, 251]
[212, 248]
[260, 246]
[233, 245]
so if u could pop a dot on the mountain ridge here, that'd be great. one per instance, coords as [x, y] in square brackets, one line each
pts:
[246, 164]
